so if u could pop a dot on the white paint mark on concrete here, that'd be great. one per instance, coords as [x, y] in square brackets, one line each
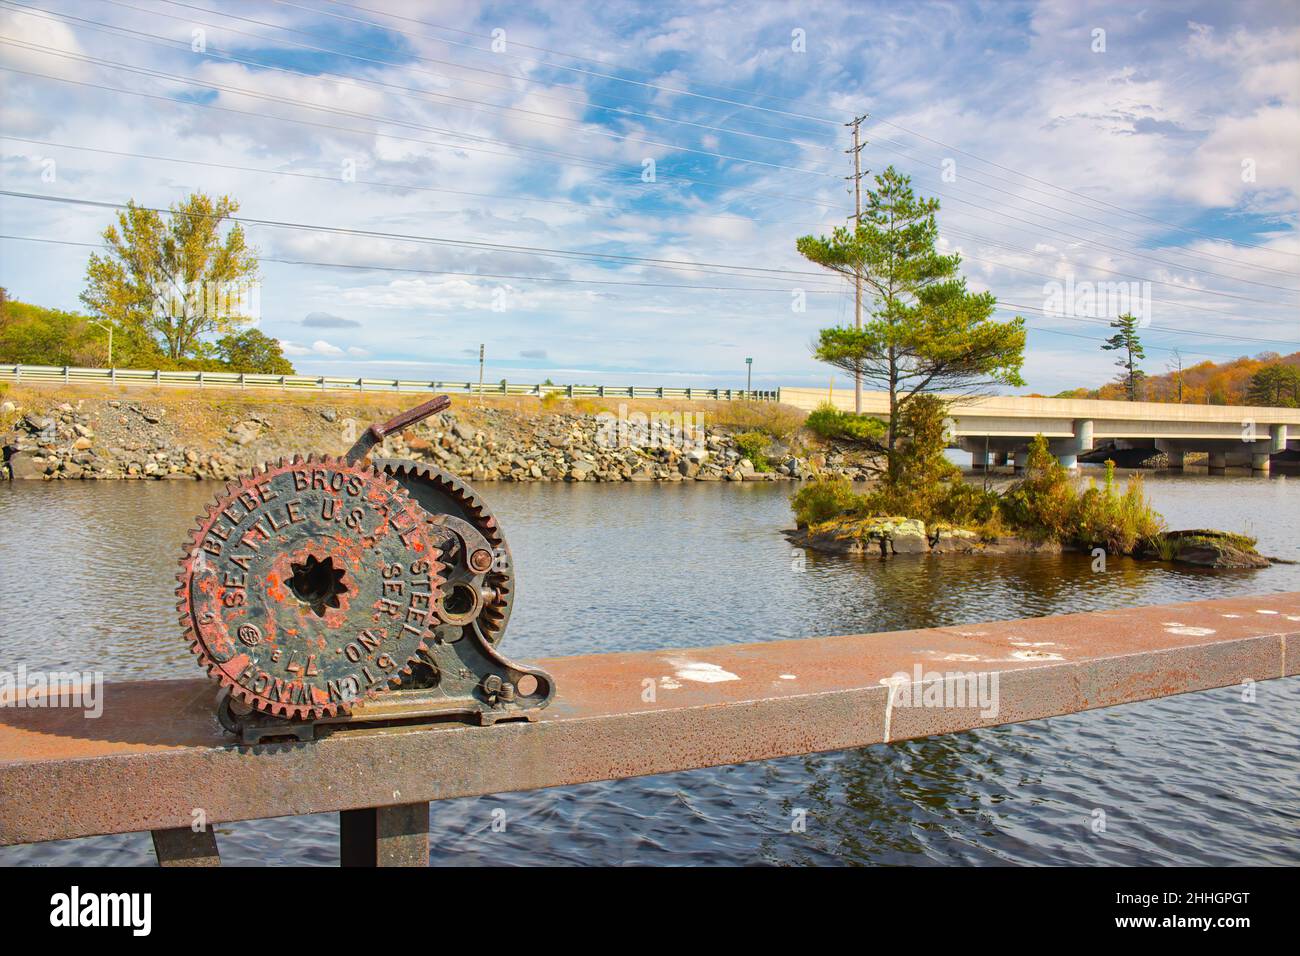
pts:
[1231, 615]
[1035, 656]
[667, 683]
[702, 672]
[788, 676]
[1186, 630]
[1262, 611]
[893, 684]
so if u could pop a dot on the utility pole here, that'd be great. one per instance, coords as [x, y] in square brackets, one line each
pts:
[857, 215]
[107, 324]
[480, 371]
[749, 378]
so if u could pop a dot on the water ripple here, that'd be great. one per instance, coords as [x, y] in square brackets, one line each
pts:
[86, 583]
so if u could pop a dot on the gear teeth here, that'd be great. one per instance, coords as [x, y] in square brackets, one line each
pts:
[189, 553]
[493, 619]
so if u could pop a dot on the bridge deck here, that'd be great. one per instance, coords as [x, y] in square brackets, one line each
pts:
[156, 753]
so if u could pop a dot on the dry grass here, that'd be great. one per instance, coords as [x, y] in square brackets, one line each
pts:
[372, 405]
[771, 418]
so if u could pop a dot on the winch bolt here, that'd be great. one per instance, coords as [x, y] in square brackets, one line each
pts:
[481, 560]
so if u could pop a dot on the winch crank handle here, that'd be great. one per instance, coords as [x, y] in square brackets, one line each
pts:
[377, 432]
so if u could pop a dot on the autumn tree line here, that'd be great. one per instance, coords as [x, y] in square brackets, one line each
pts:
[1264, 379]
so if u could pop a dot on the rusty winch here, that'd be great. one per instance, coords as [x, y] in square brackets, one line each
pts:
[324, 591]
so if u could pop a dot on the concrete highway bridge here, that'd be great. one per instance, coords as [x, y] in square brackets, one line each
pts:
[999, 427]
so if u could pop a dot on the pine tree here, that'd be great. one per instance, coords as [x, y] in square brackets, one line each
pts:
[928, 333]
[1127, 341]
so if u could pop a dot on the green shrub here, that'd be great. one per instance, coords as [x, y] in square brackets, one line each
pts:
[1117, 521]
[1044, 502]
[827, 421]
[1047, 503]
[819, 501]
[967, 505]
[754, 445]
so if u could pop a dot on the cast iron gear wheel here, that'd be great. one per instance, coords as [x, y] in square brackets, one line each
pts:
[310, 585]
[440, 492]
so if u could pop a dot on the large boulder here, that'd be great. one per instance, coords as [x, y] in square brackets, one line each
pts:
[245, 432]
[25, 466]
[883, 536]
[954, 541]
[581, 470]
[1211, 549]
[905, 536]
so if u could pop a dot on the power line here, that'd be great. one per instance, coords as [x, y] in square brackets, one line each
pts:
[1087, 198]
[459, 66]
[579, 159]
[1157, 328]
[321, 177]
[406, 91]
[605, 76]
[1094, 341]
[899, 151]
[674, 264]
[806, 116]
[1103, 225]
[573, 160]
[1094, 268]
[571, 56]
[1036, 225]
[411, 186]
[409, 92]
[1001, 306]
[177, 78]
[1128, 252]
[449, 272]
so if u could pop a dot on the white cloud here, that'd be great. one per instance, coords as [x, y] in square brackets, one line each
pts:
[1154, 129]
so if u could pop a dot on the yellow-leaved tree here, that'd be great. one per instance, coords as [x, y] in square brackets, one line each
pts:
[174, 280]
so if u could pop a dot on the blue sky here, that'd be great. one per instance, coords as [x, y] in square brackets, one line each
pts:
[1058, 153]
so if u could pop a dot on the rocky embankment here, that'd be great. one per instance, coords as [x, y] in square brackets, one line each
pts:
[222, 436]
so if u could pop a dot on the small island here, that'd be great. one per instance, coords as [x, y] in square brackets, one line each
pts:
[922, 505]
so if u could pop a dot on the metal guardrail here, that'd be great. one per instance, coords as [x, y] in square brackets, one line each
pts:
[72, 375]
[156, 753]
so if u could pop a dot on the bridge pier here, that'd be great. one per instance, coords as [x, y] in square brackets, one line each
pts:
[1218, 462]
[1020, 460]
[1083, 443]
[1174, 451]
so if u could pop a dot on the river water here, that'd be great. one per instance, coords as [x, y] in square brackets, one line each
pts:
[86, 581]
